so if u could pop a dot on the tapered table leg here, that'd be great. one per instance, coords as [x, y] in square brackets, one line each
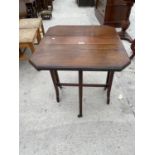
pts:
[57, 78]
[80, 92]
[53, 75]
[107, 80]
[110, 80]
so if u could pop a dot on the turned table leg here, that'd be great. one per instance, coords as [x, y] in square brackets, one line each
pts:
[109, 82]
[54, 78]
[80, 92]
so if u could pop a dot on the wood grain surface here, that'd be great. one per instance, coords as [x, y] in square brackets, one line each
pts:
[80, 48]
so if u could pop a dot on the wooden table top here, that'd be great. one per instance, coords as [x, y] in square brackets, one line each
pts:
[80, 48]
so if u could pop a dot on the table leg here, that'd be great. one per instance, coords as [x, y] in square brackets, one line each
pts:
[80, 92]
[110, 80]
[108, 73]
[57, 78]
[53, 76]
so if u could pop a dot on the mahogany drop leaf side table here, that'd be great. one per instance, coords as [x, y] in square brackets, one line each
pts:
[81, 48]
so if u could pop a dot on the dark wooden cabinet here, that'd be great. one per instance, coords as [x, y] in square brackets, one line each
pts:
[43, 4]
[85, 2]
[114, 13]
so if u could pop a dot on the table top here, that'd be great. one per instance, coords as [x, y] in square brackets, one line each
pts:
[80, 48]
[27, 35]
[30, 23]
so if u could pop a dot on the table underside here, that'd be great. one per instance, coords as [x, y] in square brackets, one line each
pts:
[80, 84]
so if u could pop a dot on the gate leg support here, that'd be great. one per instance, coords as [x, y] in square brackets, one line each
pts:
[57, 78]
[110, 80]
[80, 92]
[107, 80]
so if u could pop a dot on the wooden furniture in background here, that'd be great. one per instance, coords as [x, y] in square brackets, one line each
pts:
[80, 48]
[27, 38]
[33, 8]
[85, 2]
[27, 9]
[29, 23]
[115, 13]
[44, 8]
[43, 5]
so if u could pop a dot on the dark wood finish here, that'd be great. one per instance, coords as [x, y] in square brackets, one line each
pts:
[44, 8]
[81, 48]
[81, 85]
[109, 82]
[85, 2]
[57, 78]
[108, 74]
[54, 78]
[115, 13]
[39, 5]
[84, 85]
[43, 5]
[80, 92]
[31, 9]
[27, 9]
